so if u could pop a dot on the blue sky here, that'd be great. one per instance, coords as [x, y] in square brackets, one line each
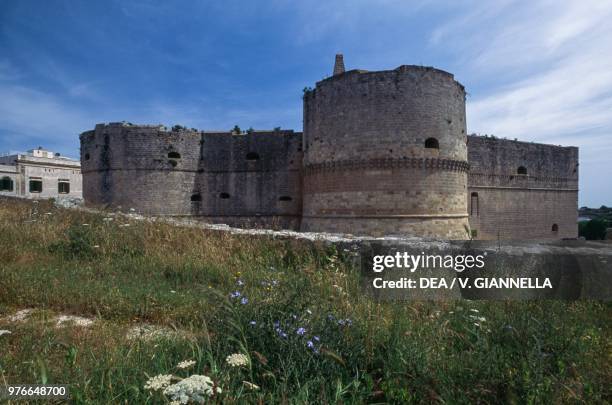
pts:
[537, 70]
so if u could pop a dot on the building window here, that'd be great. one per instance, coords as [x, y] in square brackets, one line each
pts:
[474, 204]
[174, 155]
[252, 156]
[196, 197]
[224, 196]
[555, 228]
[285, 198]
[87, 156]
[521, 170]
[432, 143]
[63, 187]
[6, 184]
[36, 186]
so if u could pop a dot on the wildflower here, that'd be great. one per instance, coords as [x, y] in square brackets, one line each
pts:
[237, 360]
[301, 331]
[478, 318]
[316, 338]
[195, 388]
[309, 312]
[244, 301]
[309, 344]
[235, 294]
[158, 382]
[274, 283]
[240, 282]
[251, 386]
[252, 323]
[5, 332]
[173, 292]
[474, 310]
[85, 224]
[476, 324]
[185, 364]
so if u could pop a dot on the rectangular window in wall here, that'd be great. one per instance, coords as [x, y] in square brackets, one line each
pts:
[6, 184]
[35, 185]
[63, 187]
[474, 204]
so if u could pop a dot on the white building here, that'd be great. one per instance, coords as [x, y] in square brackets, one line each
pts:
[40, 173]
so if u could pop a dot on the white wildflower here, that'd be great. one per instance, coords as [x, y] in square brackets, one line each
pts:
[237, 360]
[159, 382]
[5, 332]
[185, 364]
[474, 310]
[478, 318]
[251, 386]
[196, 388]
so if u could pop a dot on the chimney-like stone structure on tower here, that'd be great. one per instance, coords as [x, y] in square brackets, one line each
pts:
[339, 64]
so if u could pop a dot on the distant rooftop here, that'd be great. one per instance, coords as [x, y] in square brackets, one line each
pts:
[39, 152]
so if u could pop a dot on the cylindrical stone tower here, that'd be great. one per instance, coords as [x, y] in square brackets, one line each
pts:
[385, 153]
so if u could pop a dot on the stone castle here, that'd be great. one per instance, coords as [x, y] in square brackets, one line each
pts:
[382, 153]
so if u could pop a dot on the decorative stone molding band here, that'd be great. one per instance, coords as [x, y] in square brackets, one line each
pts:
[397, 216]
[524, 188]
[404, 163]
[522, 177]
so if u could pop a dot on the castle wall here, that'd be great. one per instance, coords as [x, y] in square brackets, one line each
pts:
[250, 180]
[366, 167]
[507, 205]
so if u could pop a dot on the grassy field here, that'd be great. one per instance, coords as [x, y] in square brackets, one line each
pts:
[160, 294]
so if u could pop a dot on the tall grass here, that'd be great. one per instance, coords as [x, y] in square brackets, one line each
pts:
[294, 308]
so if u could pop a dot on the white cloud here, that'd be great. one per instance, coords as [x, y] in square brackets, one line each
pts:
[542, 71]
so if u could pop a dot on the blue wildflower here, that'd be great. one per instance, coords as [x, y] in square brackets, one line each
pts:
[301, 331]
[318, 339]
[309, 344]
[252, 323]
[235, 294]
[244, 301]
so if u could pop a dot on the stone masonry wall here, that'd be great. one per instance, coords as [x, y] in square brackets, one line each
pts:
[504, 204]
[366, 167]
[248, 179]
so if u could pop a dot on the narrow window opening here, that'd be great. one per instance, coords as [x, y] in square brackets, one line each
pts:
[432, 143]
[252, 156]
[521, 170]
[174, 155]
[172, 163]
[196, 197]
[87, 156]
[224, 196]
[474, 204]
[63, 187]
[285, 198]
[36, 186]
[555, 228]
